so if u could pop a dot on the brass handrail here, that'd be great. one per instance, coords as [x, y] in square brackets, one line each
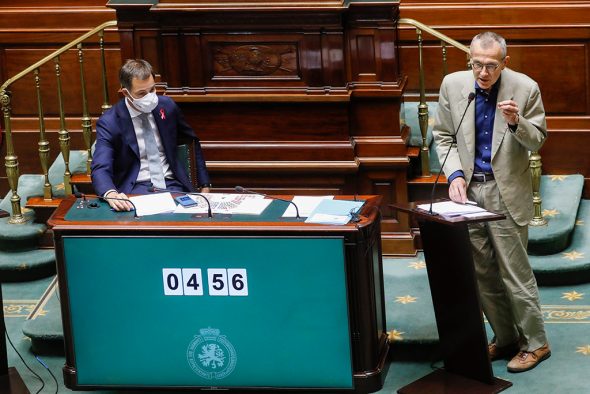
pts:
[58, 52]
[423, 106]
[432, 32]
[11, 159]
[535, 157]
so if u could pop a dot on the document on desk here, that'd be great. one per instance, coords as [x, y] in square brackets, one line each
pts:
[451, 208]
[227, 203]
[306, 205]
[334, 212]
[152, 204]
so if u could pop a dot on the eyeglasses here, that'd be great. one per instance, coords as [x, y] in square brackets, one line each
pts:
[490, 67]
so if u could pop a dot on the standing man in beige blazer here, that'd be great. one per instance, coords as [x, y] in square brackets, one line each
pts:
[489, 164]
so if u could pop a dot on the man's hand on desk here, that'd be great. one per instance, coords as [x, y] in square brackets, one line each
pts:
[118, 205]
[205, 190]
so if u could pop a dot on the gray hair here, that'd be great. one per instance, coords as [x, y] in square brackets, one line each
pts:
[134, 68]
[487, 39]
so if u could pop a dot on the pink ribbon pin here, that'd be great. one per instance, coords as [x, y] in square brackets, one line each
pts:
[162, 114]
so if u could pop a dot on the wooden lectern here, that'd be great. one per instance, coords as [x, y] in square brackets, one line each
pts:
[457, 308]
[283, 305]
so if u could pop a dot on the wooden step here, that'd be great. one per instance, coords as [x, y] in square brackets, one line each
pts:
[83, 183]
[43, 208]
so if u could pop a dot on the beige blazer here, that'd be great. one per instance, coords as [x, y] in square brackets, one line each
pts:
[510, 151]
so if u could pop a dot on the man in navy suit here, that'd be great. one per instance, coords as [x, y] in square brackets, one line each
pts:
[136, 141]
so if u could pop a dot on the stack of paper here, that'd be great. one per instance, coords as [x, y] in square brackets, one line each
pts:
[152, 204]
[451, 208]
[334, 211]
[227, 203]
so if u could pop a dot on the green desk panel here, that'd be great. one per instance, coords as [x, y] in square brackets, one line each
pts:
[290, 330]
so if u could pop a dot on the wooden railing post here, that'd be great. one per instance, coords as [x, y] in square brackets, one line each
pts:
[43, 143]
[423, 112]
[86, 120]
[105, 84]
[535, 166]
[64, 135]
[11, 162]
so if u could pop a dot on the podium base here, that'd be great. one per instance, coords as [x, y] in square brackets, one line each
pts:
[442, 382]
[12, 383]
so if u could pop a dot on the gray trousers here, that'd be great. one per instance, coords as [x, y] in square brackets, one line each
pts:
[507, 286]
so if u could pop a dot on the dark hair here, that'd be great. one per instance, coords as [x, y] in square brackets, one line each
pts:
[134, 68]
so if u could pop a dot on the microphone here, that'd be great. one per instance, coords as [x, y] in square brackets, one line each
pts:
[240, 189]
[154, 189]
[469, 100]
[83, 201]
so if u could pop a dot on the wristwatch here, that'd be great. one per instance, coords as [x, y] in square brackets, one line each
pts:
[205, 185]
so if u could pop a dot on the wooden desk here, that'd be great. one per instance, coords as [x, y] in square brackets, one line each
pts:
[143, 302]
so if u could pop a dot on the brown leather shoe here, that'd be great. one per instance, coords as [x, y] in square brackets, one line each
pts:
[524, 361]
[496, 352]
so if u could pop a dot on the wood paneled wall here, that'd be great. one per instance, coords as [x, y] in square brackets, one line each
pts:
[288, 99]
[29, 31]
[335, 95]
[547, 40]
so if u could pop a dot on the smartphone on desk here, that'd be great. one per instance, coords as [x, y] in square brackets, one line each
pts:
[186, 201]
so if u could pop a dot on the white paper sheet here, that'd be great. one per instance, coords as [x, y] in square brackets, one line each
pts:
[152, 204]
[451, 208]
[306, 205]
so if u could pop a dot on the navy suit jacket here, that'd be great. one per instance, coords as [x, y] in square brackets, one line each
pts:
[115, 164]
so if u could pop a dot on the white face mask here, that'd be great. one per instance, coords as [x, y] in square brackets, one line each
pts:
[147, 103]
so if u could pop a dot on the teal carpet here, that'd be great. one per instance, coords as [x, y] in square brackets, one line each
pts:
[561, 196]
[571, 265]
[409, 315]
[410, 320]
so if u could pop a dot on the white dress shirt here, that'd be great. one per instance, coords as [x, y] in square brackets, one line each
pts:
[144, 171]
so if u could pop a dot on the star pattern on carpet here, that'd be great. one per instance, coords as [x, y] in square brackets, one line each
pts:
[555, 178]
[580, 222]
[395, 335]
[550, 212]
[585, 350]
[407, 299]
[418, 265]
[573, 295]
[573, 255]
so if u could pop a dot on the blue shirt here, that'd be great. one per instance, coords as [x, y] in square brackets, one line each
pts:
[485, 114]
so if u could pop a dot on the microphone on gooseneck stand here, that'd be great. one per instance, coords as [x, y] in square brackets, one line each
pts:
[240, 189]
[469, 100]
[154, 189]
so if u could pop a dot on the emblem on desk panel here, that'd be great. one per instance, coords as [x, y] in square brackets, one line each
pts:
[211, 355]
